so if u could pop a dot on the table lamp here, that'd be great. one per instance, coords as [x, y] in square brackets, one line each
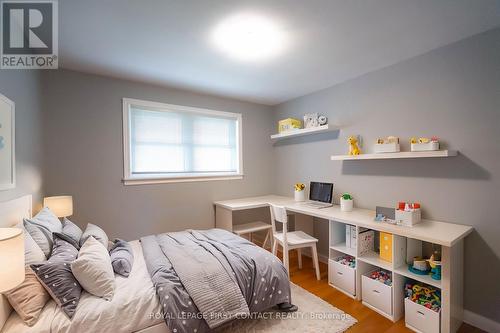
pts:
[61, 206]
[11, 258]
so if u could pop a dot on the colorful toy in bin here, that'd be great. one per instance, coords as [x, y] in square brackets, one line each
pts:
[347, 260]
[424, 295]
[382, 276]
[424, 144]
[389, 144]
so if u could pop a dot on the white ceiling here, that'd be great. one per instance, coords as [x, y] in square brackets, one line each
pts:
[167, 42]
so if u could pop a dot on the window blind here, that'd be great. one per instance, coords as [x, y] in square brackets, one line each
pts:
[168, 142]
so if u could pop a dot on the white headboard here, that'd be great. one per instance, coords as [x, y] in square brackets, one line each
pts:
[11, 213]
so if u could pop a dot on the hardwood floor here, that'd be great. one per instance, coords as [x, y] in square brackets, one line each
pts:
[368, 320]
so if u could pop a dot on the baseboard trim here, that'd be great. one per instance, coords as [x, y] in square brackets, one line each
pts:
[476, 320]
[323, 258]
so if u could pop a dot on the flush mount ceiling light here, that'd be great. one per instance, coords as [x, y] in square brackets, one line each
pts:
[249, 37]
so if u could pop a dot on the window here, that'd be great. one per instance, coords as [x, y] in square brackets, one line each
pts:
[170, 143]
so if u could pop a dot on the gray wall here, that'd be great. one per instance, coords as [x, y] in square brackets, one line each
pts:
[452, 92]
[23, 87]
[84, 157]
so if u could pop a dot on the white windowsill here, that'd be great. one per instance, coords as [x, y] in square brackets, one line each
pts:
[153, 180]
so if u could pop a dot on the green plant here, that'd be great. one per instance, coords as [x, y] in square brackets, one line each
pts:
[346, 196]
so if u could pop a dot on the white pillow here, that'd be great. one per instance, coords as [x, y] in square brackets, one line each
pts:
[93, 269]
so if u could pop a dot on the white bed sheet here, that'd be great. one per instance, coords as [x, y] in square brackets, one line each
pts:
[134, 307]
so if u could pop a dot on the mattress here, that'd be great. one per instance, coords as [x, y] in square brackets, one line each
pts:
[134, 307]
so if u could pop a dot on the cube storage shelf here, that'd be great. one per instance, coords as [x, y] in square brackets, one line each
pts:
[388, 301]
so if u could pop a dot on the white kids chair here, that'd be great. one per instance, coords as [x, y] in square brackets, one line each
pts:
[291, 240]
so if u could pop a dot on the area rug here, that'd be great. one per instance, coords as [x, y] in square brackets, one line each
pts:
[314, 315]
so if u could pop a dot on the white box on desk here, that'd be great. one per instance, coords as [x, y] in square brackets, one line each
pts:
[408, 218]
[354, 237]
[348, 235]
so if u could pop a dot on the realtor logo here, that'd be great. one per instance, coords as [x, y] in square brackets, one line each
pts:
[29, 34]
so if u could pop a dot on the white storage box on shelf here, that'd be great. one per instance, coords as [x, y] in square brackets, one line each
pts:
[376, 295]
[392, 147]
[342, 276]
[429, 146]
[366, 241]
[421, 319]
[408, 218]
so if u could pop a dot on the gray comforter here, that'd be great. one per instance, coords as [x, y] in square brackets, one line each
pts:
[205, 279]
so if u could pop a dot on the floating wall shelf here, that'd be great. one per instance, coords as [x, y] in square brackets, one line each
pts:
[406, 154]
[304, 131]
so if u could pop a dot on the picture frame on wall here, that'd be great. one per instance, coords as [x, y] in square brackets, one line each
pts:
[7, 144]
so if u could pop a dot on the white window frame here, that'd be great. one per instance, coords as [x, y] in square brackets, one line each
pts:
[130, 179]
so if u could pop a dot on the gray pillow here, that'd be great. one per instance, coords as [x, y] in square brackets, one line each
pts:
[39, 237]
[46, 223]
[56, 277]
[97, 233]
[68, 239]
[32, 251]
[122, 257]
[72, 230]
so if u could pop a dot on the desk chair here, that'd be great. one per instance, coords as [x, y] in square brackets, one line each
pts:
[291, 240]
[250, 228]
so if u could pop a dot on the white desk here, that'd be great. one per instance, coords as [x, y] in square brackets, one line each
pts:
[450, 236]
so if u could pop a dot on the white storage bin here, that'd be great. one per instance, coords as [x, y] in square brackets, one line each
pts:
[430, 146]
[376, 294]
[386, 148]
[408, 218]
[342, 276]
[421, 319]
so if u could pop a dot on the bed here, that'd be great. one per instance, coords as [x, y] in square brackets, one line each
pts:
[173, 274]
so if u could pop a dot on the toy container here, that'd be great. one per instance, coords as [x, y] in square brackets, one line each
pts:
[430, 146]
[408, 218]
[366, 241]
[289, 124]
[377, 291]
[386, 246]
[391, 147]
[421, 319]
[342, 276]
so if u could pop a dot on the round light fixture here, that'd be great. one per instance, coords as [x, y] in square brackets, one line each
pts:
[249, 37]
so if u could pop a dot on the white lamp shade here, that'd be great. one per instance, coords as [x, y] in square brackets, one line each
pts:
[11, 258]
[61, 206]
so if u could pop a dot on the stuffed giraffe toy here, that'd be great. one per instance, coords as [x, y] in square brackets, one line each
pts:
[353, 146]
